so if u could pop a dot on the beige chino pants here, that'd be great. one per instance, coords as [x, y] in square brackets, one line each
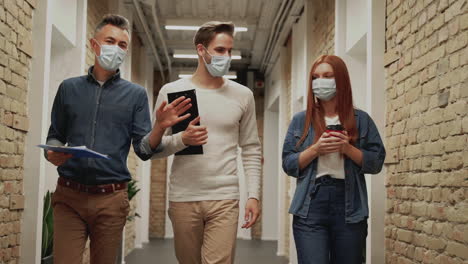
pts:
[205, 232]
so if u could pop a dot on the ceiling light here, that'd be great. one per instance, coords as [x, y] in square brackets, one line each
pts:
[194, 28]
[173, 27]
[230, 75]
[186, 56]
[192, 54]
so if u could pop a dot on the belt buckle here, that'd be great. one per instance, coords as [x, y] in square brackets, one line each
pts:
[327, 179]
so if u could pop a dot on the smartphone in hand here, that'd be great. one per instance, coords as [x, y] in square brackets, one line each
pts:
[335, 128]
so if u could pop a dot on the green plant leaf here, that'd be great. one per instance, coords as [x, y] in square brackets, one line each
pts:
[47, 226]
[132, 189]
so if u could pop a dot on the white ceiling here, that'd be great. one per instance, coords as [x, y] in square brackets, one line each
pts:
[256, 15]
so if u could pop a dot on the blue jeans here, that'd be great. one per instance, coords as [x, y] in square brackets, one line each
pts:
[324, 237]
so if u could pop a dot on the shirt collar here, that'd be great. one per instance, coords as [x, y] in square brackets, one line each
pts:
[91, 77]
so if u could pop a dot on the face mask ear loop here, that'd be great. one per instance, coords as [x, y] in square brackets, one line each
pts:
[100, 47]
[207, 52]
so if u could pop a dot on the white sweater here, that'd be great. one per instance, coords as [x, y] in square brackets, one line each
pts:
[229, 115]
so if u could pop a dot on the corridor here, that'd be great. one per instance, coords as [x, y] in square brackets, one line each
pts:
[248, 252]
[408, 70]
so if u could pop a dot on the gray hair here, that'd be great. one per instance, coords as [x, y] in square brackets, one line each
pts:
[115, 20]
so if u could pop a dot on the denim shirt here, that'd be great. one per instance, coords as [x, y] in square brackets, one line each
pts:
[105, 119]
[373, 155]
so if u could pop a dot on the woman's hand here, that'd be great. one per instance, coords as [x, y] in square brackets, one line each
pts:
[347, 149]
[328, 143]
[343, 139]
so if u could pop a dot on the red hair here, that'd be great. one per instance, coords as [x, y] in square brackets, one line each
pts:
[344, 101]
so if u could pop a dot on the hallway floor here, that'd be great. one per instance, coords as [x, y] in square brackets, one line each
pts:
[248, 252]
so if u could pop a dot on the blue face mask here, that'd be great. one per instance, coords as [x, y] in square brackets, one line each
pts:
[219, 65]
[112, 56]
[324, 89]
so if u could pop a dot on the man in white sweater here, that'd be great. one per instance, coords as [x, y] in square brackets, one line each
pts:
[204, 188]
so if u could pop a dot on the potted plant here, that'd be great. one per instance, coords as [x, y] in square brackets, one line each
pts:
[47, 230]
[132, 190]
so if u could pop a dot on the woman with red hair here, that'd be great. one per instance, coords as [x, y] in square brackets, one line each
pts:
[328, 148]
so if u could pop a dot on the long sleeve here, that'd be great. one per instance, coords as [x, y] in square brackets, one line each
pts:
[251, 149]
[57, 131]
[57, 134]
[141, 128]
[290, 154]
[373, 150]
[170, 144]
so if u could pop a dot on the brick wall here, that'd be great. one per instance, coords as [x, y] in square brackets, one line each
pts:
[158, 182]
[426, 131]
[323, 30]
[158, 198]
[15, 61]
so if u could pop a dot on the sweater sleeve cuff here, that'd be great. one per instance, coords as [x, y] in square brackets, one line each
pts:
[179, 144]
[254, 195]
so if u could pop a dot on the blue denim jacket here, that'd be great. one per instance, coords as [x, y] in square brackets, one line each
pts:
[368, 141]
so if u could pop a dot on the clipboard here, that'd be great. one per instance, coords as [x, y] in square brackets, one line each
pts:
[182, 125]
[77, 152]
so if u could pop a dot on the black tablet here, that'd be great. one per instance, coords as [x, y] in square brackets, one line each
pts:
[181, 126]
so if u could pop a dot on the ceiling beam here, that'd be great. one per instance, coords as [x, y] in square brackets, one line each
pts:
[197, 21]
[243, 8]
[178, 6]
[195, 7]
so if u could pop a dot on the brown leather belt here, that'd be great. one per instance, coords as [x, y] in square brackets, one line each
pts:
[104, 188]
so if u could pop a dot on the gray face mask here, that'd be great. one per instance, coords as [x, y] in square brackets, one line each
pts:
[219, 65]
[324, 89]
[112, 56]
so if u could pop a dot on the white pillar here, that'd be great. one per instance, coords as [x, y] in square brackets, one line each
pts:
[376, 106]
[270, 169]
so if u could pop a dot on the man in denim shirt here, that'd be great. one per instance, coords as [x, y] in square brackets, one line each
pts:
[106, 114]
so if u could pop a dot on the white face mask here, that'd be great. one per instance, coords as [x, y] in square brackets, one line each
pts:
[219, 65]
[324, 89]
[112, 56]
